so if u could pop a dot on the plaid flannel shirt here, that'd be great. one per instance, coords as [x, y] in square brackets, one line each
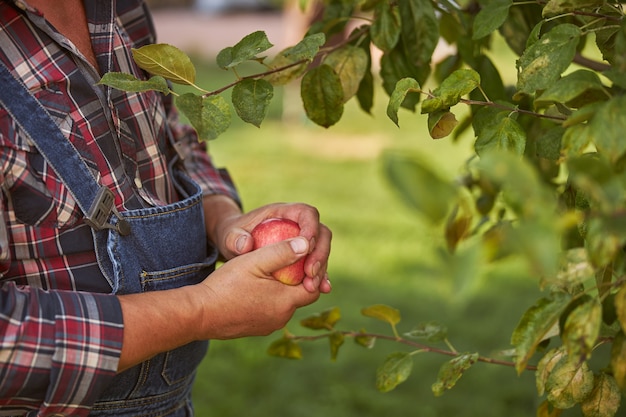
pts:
[60, 333]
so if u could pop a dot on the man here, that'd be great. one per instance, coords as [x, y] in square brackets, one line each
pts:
[112, 217]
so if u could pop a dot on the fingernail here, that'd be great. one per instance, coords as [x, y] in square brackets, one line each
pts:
[298, 245]
[317, 281]
[316, 268]
[240, 243]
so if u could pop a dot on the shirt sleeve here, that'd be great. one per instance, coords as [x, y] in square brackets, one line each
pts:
[197, 160]
[58, 349]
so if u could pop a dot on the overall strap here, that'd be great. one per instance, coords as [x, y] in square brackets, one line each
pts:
[94, 200]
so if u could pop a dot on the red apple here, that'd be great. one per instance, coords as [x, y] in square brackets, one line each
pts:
[276, 230]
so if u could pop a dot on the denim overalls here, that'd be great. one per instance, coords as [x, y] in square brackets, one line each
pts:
[147, 249]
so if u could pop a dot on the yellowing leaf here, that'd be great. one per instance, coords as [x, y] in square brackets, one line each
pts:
[605, 398]
[581, 329]
[383, 313]
[362, 339]
[441, 124]
[569, 383]
[350, 64]
[322, 321]
[167, 61]
[285, 348]
[336, 340]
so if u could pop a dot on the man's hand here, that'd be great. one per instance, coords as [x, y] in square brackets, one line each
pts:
[239, 299]
[229, 230]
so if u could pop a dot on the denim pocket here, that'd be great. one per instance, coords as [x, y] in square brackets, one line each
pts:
[180, 364]
[176, 277]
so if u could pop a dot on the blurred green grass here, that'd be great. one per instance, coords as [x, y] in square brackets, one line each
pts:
[381, 255]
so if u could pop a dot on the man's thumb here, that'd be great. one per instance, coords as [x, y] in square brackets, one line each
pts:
[278, 255]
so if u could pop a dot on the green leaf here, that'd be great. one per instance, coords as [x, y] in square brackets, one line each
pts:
[549, 143]
[576, 140]
[365, 94]
[307, 48]
[451, 371]
[322, 95]
[336, 340]
[418, 185]
[593, 175]
[544, 61]
[395, 66]
[167, 61]
[247, 48]
[534, 325]
[386, 27]
[608, 126]
[325, 320]
[420, 31]
[383, 313]
[500, 133]
[285, 348]
[574, 88]
[251, 99]
[562, 7]
[292, 62]
[490, 17]
[431, 331]
[350, 63]
[209, 116]
[394, 371]
[604, 400]
[128, 82]
[403, 87]
[451, 90]
[582, 328]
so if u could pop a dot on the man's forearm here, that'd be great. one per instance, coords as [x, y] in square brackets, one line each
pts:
[155, 322]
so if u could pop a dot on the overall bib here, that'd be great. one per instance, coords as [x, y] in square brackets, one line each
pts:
[148, 249]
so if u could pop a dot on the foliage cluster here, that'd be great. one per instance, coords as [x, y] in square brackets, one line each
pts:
[546, 183]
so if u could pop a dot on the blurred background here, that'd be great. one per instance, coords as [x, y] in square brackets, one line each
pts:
[382, 251]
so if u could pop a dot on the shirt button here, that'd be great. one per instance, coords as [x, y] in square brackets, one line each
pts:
[138, 182]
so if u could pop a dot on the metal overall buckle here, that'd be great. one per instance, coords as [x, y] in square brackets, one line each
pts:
[101, 209]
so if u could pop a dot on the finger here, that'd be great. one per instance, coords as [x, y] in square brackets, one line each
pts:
[238, 241]
[325, 286]
[317, 261]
